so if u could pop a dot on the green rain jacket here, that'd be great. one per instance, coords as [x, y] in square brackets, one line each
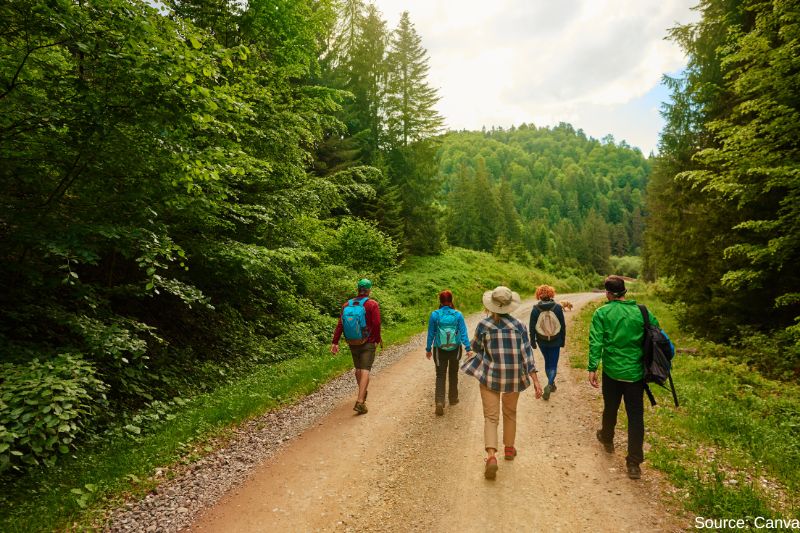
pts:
[615, 338]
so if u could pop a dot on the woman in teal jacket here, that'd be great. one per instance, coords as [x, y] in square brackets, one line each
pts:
[447, 332]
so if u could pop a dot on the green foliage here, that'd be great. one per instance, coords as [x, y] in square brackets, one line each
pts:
[362, 247]
[390, 120]
[410, 101]
[551, 193]
[44, 406]
[628, 265]
[723, 199]
[160, 204]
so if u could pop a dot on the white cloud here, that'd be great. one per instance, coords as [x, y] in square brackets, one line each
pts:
[510, 61]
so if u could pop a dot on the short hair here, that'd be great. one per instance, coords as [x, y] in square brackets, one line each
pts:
[545, 292]
[615, 285]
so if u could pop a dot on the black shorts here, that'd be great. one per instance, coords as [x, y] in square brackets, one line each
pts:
[363, 355]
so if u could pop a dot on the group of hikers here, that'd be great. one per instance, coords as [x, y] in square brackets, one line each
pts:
[500, 355]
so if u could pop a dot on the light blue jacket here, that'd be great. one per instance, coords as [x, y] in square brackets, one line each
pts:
[433, 323]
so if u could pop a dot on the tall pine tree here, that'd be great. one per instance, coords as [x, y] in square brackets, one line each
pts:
[410, 100]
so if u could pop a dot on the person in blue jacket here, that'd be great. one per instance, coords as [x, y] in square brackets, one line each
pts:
[447, 333]
[549, 334]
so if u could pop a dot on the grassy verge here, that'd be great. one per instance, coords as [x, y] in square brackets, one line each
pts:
[733, 447]
[78, 491]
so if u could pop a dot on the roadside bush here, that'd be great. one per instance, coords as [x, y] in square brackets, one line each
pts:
[775, 355]
[626, 265]
[44, 406]
[360, 245]
[328, 286]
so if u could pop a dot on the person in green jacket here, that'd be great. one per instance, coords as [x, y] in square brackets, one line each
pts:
[615, 339]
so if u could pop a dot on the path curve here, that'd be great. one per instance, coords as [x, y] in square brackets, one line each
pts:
[401, 468]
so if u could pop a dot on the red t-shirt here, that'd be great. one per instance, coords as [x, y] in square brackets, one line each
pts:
[373, 316]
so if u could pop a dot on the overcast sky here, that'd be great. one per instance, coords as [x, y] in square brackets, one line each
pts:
[594, 63]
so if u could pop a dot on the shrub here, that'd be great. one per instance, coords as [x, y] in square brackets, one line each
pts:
[360, 245]
[44, 406]
[775, 355]
[627, 265]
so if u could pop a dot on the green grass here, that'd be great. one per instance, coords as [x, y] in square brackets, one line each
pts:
[121, 467]
[733, 447]
[468, 274]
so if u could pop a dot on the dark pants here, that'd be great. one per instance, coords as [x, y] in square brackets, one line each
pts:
[633, 393]
[446, 365]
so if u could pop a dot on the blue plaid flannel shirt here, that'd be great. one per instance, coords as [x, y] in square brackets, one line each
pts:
[503, 358]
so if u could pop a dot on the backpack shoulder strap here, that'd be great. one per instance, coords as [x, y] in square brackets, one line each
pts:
[650, 394]
[645, 314]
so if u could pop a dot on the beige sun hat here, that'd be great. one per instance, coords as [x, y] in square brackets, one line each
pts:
[501, 300]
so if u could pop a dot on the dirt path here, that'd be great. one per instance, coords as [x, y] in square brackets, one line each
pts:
[401, 468]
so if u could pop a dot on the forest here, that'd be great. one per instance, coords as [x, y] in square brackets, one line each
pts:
[724, 216]
[191, 189]
[565, 200]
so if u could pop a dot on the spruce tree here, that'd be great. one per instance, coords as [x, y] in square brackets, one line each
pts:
[410, 100]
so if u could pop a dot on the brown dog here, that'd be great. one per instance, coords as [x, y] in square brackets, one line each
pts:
[566, 305]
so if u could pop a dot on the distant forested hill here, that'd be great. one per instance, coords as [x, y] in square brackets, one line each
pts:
[551, 192]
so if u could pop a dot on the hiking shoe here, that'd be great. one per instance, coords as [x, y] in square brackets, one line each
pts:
[510, 453]
[491, 468]
[546, 393]
[439, 409]
[454, 401]
[634, 472]
[608, 445]
[360, 408]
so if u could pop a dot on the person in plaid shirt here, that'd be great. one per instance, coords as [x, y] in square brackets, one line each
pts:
[504, 365]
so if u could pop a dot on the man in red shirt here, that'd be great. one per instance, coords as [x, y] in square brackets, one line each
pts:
[363, 354]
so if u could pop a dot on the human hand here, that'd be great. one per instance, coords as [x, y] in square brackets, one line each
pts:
[428, 355]
[470, 353]
[593, 381]
[334, 349]
[537, 387]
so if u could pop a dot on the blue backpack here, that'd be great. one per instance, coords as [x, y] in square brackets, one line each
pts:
[447, 329]
[354, 321]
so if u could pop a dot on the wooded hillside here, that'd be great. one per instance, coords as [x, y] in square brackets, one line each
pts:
[550, 193]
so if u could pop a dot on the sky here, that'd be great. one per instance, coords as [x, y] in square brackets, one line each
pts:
[596, 64]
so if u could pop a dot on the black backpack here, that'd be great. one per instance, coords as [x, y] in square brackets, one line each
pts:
[658, 354]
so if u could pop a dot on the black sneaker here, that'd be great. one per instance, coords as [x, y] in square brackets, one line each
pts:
[553, 387]
[634, 472]
[439, 409]
[608, 445]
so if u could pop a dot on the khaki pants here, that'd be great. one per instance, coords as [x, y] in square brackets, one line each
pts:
[491, 416]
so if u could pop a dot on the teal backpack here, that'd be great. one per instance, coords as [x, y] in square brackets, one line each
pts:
[447, 329]
[354, 321]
